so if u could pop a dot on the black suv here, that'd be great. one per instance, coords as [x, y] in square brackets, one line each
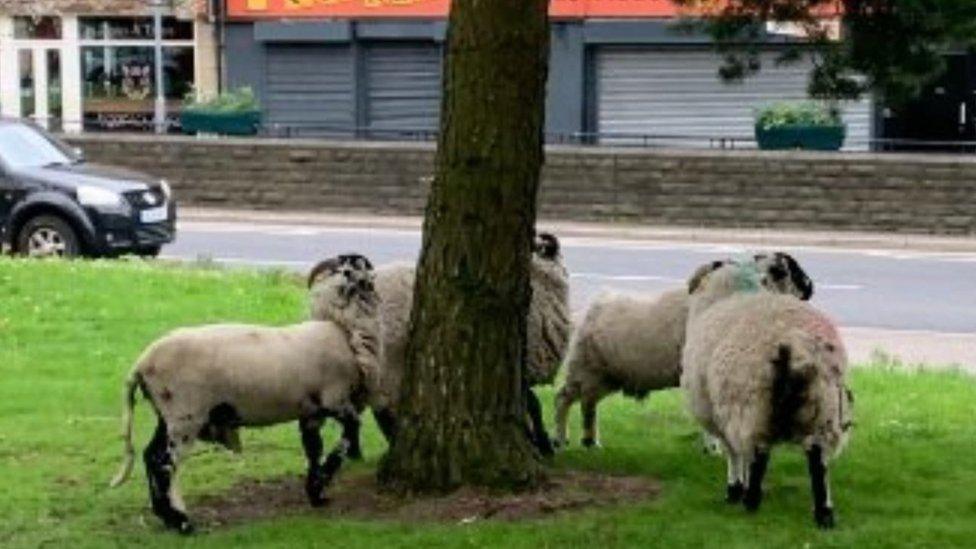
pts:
[54, 203]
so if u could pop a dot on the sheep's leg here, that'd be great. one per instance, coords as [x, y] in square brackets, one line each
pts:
[591, 436]
[823, 508]
[711, 445]
[350, 432]
[734, 489]
[161, 456]
[386, 421]
[757, 472]
[312, 443]
[540, 437]
[565, 399]
[333, 462]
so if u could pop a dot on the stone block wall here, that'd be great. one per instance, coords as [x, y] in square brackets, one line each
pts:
[735, 189]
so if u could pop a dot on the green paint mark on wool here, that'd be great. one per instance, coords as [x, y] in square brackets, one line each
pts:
[747, 277]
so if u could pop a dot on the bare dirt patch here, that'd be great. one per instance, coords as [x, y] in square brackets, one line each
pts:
[358, 497]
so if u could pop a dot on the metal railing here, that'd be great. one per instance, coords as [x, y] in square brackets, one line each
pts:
[594, 139]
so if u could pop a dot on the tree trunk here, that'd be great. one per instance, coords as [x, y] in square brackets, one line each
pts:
[462, 409]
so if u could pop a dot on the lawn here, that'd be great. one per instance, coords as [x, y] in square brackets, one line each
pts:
[69, 333]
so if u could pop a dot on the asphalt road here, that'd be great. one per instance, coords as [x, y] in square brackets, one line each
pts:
[892, 290]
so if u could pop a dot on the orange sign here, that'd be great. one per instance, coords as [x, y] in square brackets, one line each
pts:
[572, 9]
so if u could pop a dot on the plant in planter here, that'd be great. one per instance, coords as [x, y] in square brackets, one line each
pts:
[800, 125]
[235, 112]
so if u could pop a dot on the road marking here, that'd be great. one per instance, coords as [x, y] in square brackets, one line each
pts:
[840, 287]
[583, 275]
[626, 278]
[571, 242]
[239, 260]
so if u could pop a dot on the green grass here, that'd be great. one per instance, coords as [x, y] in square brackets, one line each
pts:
[69, 333]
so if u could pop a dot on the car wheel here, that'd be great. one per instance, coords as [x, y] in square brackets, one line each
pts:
[48, 236]
[148, 251]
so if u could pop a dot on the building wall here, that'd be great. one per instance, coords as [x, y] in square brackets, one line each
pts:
[749, 189]
[206, 78]
[571, 101]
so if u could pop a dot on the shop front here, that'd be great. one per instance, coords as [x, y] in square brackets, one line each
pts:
[73, 66]
[619, 72]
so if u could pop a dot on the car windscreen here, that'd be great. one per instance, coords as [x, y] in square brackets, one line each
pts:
[24, 147]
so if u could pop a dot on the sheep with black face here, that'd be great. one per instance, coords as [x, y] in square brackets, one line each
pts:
[548, 328]
[761, 369]
[207, 382]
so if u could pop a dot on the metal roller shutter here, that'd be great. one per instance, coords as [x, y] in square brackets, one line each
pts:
[672, 92]
[310, 88]
[403, 87]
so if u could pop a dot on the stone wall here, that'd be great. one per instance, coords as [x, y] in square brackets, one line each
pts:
[184, 8]
[735, 189]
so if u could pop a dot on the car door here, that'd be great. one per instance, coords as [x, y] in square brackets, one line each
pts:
[11, 192]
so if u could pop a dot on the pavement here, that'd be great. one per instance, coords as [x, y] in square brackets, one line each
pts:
[906, 299]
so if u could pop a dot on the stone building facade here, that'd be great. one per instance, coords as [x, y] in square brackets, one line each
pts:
[90, 64]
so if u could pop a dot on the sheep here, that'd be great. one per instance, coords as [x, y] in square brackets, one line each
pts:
[761, 369]
[632, 344]
[207, 382]
[548, 331]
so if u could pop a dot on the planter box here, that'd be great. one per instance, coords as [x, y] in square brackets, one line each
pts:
[811, 138]
[223, 123]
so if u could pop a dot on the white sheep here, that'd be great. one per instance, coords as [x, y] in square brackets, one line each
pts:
[760, 369]
[632, 344]
[548, 330]
[207, 382]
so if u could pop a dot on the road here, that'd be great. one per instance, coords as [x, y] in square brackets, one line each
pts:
[902, 295]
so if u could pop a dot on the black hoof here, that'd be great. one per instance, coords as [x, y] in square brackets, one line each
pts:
[589, 442]
[186, 528]
[752, 501]
[824, 518]
[318, 501]
[734, 493]
[545, 446]
[314, 489]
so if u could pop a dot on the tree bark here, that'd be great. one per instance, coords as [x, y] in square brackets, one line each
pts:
[461, 419]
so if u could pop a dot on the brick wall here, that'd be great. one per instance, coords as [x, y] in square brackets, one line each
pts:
[903, 193]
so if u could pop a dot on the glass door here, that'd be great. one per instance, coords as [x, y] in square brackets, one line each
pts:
[39, 69]
[55, 113]
[28, 84]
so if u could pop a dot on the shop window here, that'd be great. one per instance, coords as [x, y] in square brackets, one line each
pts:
[37, 28]
[177, 29]
[133, 28]
[119, 84]
[178, 70]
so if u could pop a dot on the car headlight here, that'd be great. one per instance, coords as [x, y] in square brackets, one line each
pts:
[98, 197]
[167, 191]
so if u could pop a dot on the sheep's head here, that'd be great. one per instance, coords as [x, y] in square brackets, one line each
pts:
[782, 274]
[546, 246]
[339, 281]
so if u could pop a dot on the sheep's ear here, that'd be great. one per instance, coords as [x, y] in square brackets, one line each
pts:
[797, 275]
[358, 261]
[701, 274]
[547, 245]
[328, 266]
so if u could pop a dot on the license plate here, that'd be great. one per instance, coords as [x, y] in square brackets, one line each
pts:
[155, 215]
